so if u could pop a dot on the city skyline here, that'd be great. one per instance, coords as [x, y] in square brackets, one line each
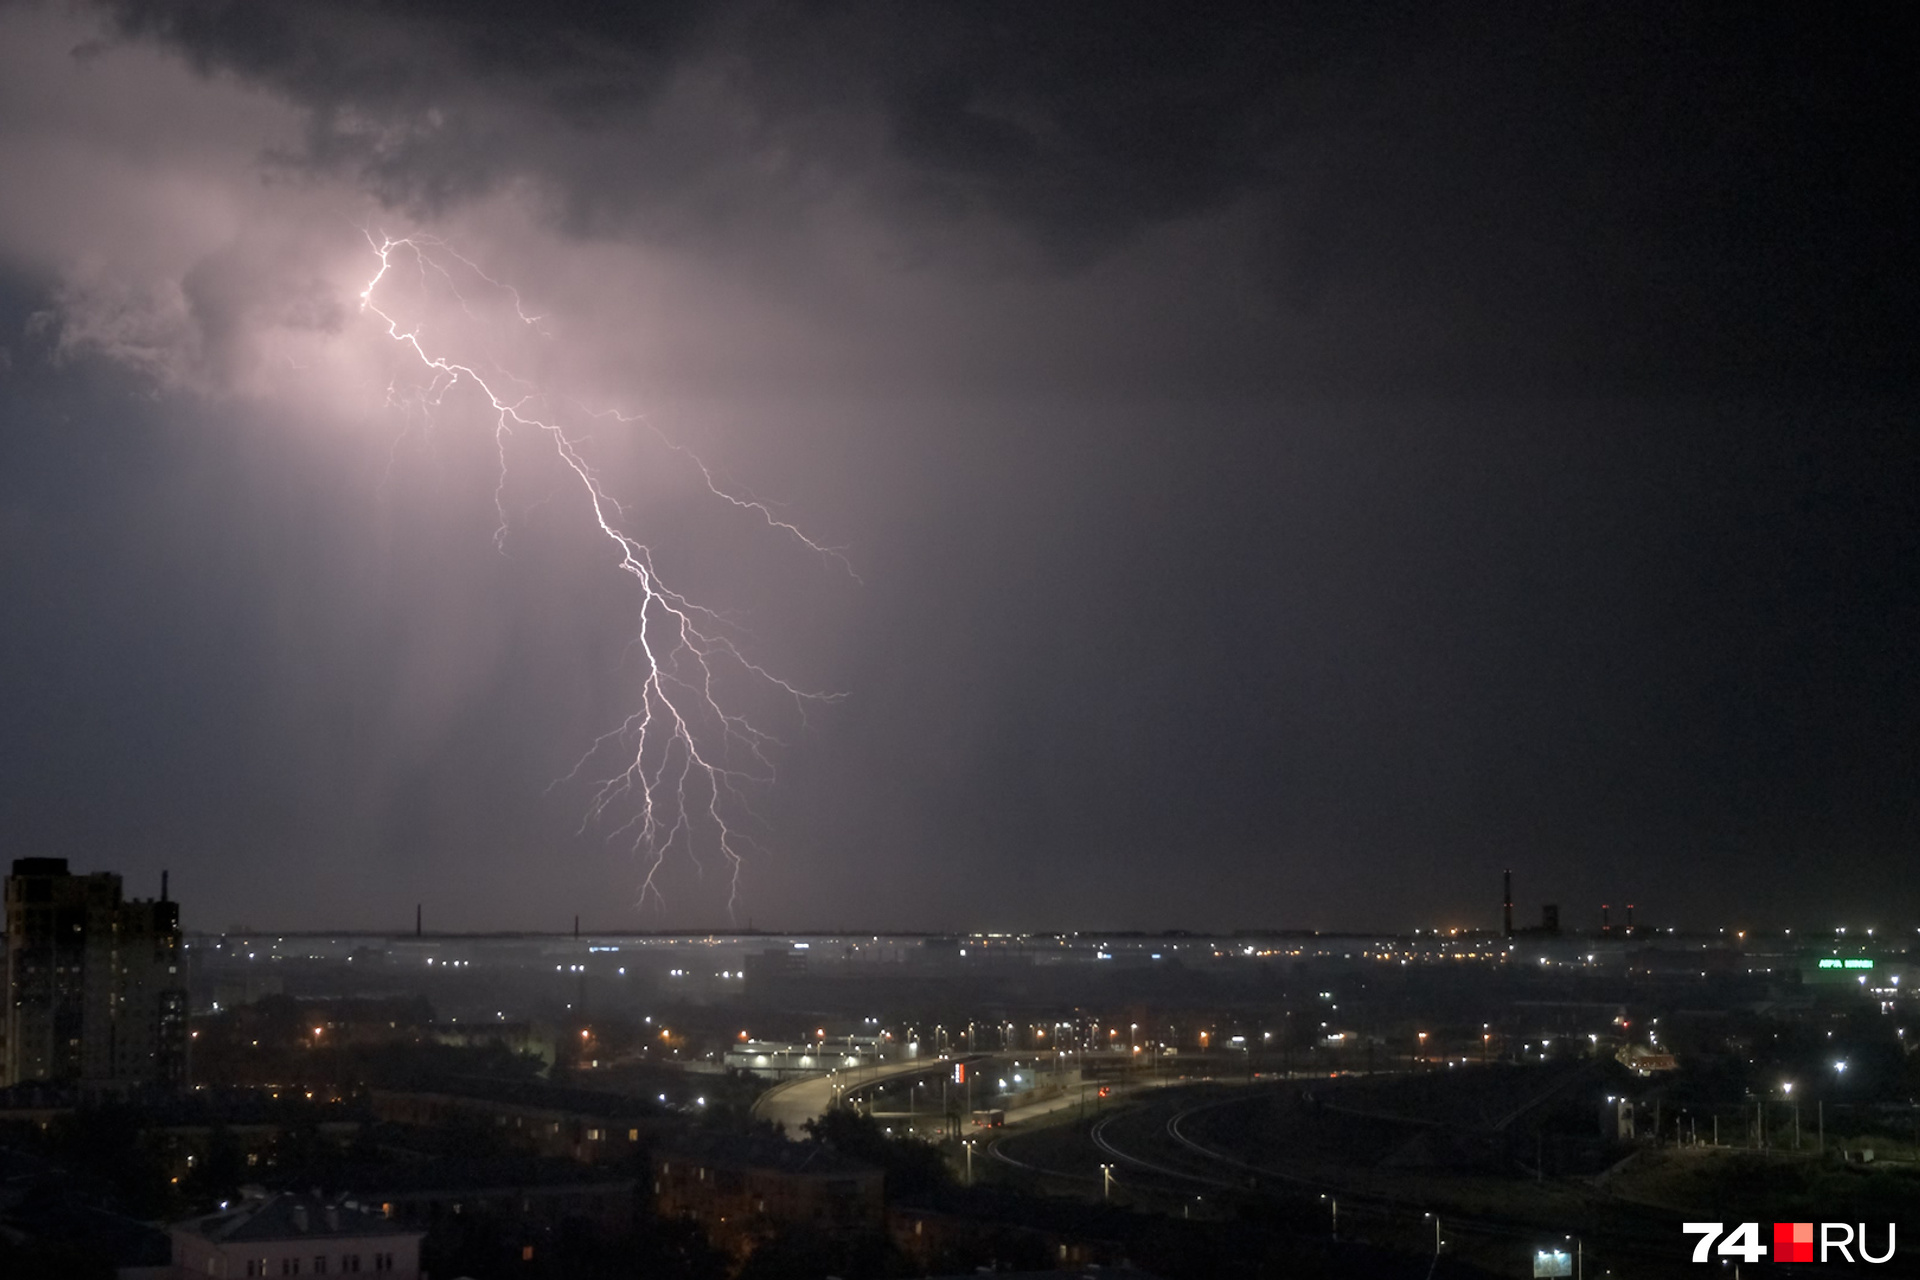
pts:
[1619, 920]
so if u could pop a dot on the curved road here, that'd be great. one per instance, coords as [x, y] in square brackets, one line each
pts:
[1223, 1171]
[793, 1103]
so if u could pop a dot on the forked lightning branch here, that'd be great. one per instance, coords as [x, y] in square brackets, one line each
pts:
[675, 771]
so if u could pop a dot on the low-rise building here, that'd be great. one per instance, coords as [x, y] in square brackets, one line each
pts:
[296, 1235]
[548, 1120]
[740, 1188]
[530, 1191]
[924, 1235]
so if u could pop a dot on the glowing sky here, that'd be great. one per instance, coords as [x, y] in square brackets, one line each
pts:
[1294, 468]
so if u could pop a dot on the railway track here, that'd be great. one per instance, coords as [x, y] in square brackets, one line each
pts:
[1252, 1178]
[1102, 1140]
[1164, 1148]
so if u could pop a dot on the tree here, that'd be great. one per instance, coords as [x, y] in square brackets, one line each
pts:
[913, 1167]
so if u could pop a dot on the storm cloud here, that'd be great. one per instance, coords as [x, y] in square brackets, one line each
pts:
[1589, 192]
[1295, 464]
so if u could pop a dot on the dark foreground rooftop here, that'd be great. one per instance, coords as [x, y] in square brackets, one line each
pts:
[291, 1216]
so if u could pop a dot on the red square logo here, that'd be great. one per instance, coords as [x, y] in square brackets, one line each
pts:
[1793, 1242]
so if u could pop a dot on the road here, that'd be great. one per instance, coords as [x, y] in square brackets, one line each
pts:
[795, 1102]
[1153, 1151]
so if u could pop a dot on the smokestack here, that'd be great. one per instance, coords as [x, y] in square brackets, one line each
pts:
[576, 926]
[1629, 917]
[1507, 902]
[416, 919]
[1606, 918]
[163, 886]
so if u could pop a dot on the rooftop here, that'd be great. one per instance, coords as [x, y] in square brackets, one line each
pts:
[293, 1217]
[743, 1151]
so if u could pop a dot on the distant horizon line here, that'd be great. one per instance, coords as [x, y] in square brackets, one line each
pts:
[1532, 934]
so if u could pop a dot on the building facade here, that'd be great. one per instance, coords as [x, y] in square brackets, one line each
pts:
[296, 1235]
[740, 1189]
[95, 984]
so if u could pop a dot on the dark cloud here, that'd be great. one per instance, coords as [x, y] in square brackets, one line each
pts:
[1479, 194]
[1296, 464]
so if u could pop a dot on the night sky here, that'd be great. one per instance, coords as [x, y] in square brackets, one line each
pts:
[1293, 463]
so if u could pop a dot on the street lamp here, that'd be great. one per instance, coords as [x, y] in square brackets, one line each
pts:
[1106, 1182]
[1436, 1235]
[1334, 1201]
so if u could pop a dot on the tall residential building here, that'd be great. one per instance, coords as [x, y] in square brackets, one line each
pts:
[96, 988]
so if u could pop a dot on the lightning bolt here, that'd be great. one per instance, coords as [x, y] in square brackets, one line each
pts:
[686, 762]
